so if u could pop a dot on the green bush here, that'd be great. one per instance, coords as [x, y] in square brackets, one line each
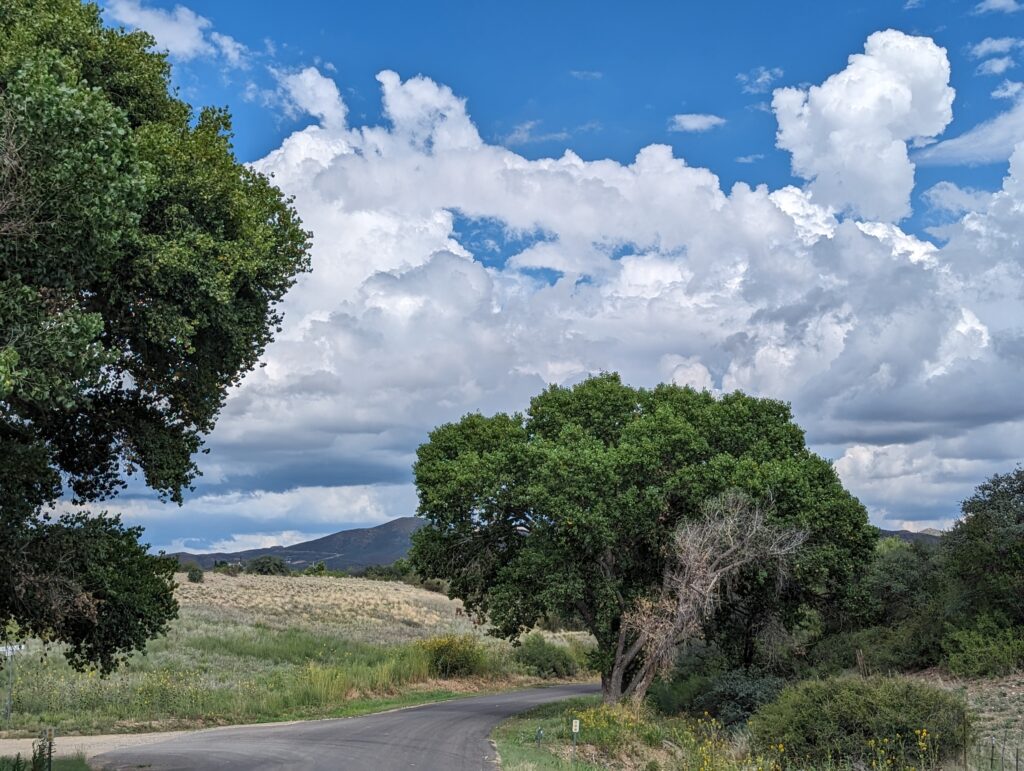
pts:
[543, 658]
[901, 647]
[863, 719]
[734, 696]
[195, 574]
[455, 655]
[227, 568]
[268, 565]
[678, 695]
[730, 697]
[983, 651]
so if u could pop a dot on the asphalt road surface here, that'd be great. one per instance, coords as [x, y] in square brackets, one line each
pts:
[445, 736]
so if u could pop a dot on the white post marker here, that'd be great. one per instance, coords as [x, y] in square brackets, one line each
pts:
[575, 733]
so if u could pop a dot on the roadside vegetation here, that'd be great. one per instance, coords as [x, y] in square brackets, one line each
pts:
[921, 668]
[19, 763]
[252, 648]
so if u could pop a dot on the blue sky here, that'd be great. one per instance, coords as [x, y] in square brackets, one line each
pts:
[513, 87]
[600, 77]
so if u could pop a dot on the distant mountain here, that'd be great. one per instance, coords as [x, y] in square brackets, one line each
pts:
[928, 536]
[344, 550]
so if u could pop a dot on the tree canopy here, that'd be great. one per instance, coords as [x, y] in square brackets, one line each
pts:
[569, 509]
[984, 552]
[140, 269]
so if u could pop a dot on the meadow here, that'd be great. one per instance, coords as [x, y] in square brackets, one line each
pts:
[252, 648]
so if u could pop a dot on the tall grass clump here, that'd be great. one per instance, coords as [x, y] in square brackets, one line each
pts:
[875, 719]
[544, 659]
[455, 655]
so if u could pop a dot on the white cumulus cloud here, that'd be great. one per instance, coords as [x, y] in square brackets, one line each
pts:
[451, 274]
[849, 135]
[181, 32]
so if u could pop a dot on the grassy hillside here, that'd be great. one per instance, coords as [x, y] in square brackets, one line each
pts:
[253, 648]
[345, 550]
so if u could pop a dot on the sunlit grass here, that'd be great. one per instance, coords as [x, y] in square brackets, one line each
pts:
[257, 648]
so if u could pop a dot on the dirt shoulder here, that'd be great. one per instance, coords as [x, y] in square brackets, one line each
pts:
[85, 746]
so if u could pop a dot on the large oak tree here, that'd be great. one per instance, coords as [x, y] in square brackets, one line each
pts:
[140, 269]
[571, 510]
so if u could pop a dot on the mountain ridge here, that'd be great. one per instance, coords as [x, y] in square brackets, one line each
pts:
[353, 549]
[382, 544]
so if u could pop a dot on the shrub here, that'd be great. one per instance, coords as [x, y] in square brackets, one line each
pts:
[316, 569]
[454, 655]
[195, 574]
[731, 696]
[885, 649]
[543, 658]
[672, 697]
[863, 719]
[984, 650]
[734, 696]
[268, 565]
[227, 568]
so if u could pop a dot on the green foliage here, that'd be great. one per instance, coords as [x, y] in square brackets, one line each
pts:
[853, 718]
[268, 565]
[543, 658]
[454, 655]
[402, 570]
[875, 649]
[195, 574]
[227, 568]
[984, 552]
[140, 271]
[399, 570]
[984, 650]
[112, 597]
[734, 696]
[676, 695]
[316, 569]
[568, 509]
[730, 696]
[898, 582]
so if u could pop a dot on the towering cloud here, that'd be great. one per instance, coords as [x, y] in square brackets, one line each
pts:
[451, 275]
[849, 135]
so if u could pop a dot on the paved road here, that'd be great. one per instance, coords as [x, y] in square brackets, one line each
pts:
[446, 736]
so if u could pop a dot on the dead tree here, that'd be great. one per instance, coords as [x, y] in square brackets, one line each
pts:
[704, 556]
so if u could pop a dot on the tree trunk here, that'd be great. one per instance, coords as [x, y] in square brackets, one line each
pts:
[610, 692]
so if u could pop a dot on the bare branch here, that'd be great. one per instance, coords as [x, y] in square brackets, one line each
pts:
[704, 556]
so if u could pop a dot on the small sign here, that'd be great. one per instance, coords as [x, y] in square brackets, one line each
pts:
[575, 726]
[50, 733]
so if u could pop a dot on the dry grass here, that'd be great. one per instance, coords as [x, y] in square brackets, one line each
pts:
[255, 648]
[998, 703]
[360, 609]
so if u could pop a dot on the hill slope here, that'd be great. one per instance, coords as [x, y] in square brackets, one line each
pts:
[345, 550]
[928, 537]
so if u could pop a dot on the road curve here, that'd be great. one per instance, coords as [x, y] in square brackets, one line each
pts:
[444, 736]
